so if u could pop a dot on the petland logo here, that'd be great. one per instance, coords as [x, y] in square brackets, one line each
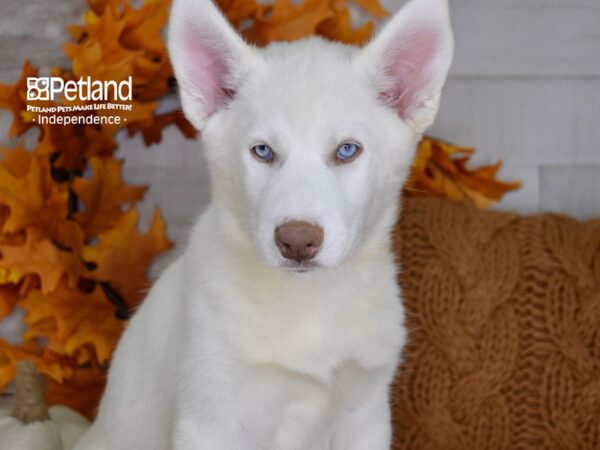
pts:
[49, 88]
[95, 102]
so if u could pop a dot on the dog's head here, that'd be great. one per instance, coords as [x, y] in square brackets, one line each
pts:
[309, 142]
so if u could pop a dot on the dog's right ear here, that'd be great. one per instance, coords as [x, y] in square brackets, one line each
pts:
[209, 58]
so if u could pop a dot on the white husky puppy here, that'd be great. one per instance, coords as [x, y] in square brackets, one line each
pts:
[280, 326]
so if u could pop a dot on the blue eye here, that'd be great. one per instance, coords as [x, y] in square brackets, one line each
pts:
[263, 152]
[347, 151]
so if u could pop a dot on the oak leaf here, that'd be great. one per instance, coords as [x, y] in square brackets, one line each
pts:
[54, 366]
[42, 257]
[35, 200]
[123, 255]
[240, 11]
[99, 53]
[80, 391]
[68, 384]
[441, 169]
[23, 194]
[339, 28]
[104, 196]
[286, 21]
[75, 323]
[9, 291]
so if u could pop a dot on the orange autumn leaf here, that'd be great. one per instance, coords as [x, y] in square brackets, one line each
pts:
[123, 254]
[239, 11]
[67, 384]
[286, 21]
[23, 195]
[80, 391]
[104, 196]
[34, 200]
[72, 144]
[441, 169]
[48, 209]
[16, 161]
[54, 366]
[143, 25]
[97, 6]
[134, 42]
[9, 296]
[339, 28]
[40, 256]
[73, 321]
[99, 53]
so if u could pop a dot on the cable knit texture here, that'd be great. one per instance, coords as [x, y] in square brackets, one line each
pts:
[504, 330]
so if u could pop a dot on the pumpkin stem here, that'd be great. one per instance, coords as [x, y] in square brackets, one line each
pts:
[29, 398]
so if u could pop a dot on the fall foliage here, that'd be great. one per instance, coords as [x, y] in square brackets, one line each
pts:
[440, 169]
[71, 254]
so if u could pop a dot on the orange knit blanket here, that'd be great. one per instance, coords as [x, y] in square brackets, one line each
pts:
[504, 340]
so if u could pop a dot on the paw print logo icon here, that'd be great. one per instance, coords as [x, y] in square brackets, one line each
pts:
[38, 88]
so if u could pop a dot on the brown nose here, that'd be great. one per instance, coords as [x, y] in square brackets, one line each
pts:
[298, 240]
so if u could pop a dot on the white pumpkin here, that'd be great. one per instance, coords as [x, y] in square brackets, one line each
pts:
[32, 426]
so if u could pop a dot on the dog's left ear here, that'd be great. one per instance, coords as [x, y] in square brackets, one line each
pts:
[209, 58]
[409, 61]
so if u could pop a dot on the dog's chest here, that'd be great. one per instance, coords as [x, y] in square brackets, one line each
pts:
[269, 401]
[317, 336]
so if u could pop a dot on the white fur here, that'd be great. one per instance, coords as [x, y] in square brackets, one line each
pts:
[233, 348]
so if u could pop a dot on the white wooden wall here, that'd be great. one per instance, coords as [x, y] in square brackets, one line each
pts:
[525, 88]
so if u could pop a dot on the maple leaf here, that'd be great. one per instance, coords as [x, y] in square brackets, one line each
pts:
[99, 53]
[339, 28]
[9, 294]
[441, 169]
[46, 362]
[73, 321]
[123, 255]
[129, 42]
[286, 21]
[80, 391]
[16, 161]
[23, 195]
[35, 200]
[97, 6]
[42, 257]
[67, 383]
[238, 11]
[70, 145]
[143, 26]
[104, 196]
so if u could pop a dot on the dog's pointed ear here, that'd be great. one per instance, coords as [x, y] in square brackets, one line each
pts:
[409, 60]
[209, 58]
